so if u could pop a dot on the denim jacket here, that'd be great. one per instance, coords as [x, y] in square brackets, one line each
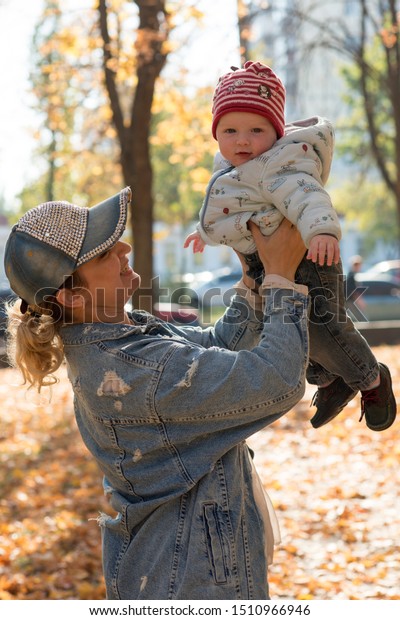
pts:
[166, 410]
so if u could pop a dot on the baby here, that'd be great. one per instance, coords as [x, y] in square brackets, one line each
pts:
[266, 171]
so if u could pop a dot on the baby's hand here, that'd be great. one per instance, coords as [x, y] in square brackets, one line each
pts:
[324, 246]
[198, 243]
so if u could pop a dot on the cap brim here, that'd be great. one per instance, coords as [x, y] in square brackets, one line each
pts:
[105, 225]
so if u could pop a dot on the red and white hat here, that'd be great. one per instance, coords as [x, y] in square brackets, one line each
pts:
[255, 88]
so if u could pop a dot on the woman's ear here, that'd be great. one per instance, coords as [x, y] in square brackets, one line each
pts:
[69, 299]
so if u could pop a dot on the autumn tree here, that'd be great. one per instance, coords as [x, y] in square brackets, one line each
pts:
[373, 79]
[132, 113]
[76, 155]
[55, 100]
[108, 126]
[182, 151]
[248, 12]
[245, 18]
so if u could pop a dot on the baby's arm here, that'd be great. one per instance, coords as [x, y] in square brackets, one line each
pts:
[198, 243]
[324, 247]
[292, 183]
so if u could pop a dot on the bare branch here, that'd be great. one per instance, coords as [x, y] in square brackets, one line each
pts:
[369, 103]
[109, 73]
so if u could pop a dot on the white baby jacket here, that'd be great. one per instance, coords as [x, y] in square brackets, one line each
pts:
[286, 181]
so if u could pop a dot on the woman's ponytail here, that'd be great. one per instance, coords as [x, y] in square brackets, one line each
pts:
[34, 345]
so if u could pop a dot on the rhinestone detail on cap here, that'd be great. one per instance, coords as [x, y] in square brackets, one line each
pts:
[61, 225]
[124, 199]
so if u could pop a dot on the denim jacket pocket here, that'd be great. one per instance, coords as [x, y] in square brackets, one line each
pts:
[216, 545]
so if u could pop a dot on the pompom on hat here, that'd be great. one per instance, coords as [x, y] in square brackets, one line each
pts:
[255, 88]
[53, 239]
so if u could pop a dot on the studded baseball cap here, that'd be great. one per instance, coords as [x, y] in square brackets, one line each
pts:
[53, 239]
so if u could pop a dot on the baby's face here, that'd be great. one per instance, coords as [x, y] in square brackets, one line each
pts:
[243, 136]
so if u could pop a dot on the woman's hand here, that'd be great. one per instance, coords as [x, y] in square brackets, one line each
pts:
[281, 252]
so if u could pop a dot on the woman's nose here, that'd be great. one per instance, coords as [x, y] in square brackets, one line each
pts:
[123, 247]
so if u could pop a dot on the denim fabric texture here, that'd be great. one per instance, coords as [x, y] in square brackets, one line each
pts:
[337, 348]
[166, 411]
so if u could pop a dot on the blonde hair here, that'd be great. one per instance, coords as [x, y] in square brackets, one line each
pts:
[34, 344]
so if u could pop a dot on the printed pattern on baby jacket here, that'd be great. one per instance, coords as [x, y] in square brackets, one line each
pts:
[286, 181]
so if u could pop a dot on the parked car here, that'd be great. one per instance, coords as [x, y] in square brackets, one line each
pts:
[216, 291]
[174, 313]
[381, 297]
[6, 294]
[386, 268]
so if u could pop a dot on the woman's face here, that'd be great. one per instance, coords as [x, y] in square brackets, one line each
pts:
[109, 284]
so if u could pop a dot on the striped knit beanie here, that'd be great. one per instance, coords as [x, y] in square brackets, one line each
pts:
[256, 89]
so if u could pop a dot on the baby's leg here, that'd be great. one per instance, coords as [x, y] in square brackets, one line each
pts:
[255, 267]
[335, 344]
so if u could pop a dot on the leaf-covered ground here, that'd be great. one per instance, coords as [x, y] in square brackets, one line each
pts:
[336, 492]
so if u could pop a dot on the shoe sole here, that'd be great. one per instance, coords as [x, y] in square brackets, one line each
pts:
[316, 420]
[392, 406]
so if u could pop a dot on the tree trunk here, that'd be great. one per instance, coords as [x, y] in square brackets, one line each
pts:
[134, 133]
[390, 42]
[244, 24]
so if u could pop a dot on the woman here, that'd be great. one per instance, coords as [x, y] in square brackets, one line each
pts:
[165, 410]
